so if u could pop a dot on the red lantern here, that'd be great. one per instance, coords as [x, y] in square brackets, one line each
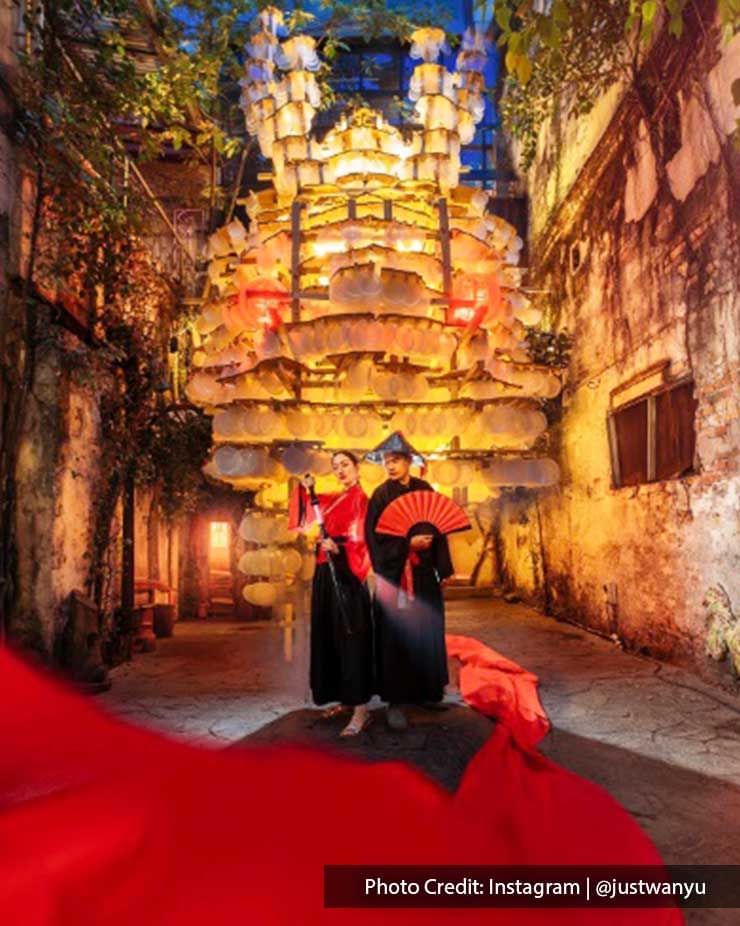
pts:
[258, 305]
[474, 297]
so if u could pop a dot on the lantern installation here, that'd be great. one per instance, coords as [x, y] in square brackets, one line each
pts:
[370, 291]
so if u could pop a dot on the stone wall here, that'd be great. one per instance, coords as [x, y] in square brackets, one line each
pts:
[639, 253]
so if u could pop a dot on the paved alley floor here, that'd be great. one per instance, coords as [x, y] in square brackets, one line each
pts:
[664, 744]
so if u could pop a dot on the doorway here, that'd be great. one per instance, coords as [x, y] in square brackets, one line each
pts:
[220, 578]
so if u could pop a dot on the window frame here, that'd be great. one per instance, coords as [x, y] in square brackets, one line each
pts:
[651, 437]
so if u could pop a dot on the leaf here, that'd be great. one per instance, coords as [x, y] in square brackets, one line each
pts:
[649, 9]
[502, 14]
[523, 69]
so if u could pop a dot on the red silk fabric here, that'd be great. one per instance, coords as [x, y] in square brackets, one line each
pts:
[499, 687]
[344, 516]
[105, 824]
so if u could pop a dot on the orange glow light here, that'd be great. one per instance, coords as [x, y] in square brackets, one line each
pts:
[219, 535]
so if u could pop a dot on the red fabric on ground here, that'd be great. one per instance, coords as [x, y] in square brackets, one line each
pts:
[498, 687]
[103, 824]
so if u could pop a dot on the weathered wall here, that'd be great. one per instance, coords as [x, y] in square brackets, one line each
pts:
[57, 480]
[653, 212]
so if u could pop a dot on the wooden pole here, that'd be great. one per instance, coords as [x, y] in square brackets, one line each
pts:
[444, 241]
[295, 259]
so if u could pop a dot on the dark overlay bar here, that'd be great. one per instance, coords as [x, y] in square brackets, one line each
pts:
[715, 886]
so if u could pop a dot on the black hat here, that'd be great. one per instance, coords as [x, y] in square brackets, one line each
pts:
[394, 443]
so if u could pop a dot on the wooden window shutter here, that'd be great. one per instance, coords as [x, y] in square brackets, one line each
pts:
[674, 430]
[631, 426]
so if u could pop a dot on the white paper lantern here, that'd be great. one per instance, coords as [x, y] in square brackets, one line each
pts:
[267, 422]
[320, 463]
[204, 389]
[354, 425]
[296, 459]
[227, 460]
[229, 422]
[292, 562]
[248, 528]
[420, 388]
[261, 594]
[323, 424]
[300, 423]
[446, 472]
[357, 379]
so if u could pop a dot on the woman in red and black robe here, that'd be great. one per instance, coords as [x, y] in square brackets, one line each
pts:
[341, 661]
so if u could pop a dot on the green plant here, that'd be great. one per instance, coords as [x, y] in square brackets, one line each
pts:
[574, 50]
[549, 348]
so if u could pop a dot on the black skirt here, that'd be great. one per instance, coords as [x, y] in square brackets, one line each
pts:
[341, 663]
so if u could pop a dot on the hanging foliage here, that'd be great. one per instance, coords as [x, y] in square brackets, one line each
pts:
[572, 51]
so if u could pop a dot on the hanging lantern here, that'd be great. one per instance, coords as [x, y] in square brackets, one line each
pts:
[292, 562]
[369, 281]
[474, 297]
[260, 304]
[296, 459]
[446, 472]
[261, 594]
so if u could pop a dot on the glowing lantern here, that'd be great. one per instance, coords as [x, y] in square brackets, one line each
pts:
[369, 247]
[446, 472]
[227, 460]
[292, 561]
[296, 459]
[262, 594]
[474, 298]
[428, 43]
[259, 304]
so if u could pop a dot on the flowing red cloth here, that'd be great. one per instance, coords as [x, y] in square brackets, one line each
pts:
[499, 687]
[104, 824]
[344, 516]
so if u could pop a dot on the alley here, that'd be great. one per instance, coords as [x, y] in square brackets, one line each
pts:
[664, 745]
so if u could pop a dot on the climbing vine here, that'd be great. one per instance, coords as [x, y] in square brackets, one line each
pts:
[571, 51]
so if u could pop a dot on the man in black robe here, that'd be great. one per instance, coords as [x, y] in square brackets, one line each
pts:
[411, 658]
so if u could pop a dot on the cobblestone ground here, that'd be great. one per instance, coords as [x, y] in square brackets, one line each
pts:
[660, 741]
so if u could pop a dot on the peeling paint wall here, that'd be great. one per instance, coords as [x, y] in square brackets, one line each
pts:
[653, 219]
[59, 484]
[57, 481]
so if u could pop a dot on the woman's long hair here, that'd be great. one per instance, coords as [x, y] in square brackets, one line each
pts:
[346, 453]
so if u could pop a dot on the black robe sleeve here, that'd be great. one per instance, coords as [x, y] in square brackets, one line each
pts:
[387, 554]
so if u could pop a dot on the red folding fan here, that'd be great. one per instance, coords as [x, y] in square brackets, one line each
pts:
[422, 507]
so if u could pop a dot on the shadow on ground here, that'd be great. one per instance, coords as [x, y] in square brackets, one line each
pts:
[439, 742]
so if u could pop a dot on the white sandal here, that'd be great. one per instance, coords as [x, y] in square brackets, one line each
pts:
[354, 727]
